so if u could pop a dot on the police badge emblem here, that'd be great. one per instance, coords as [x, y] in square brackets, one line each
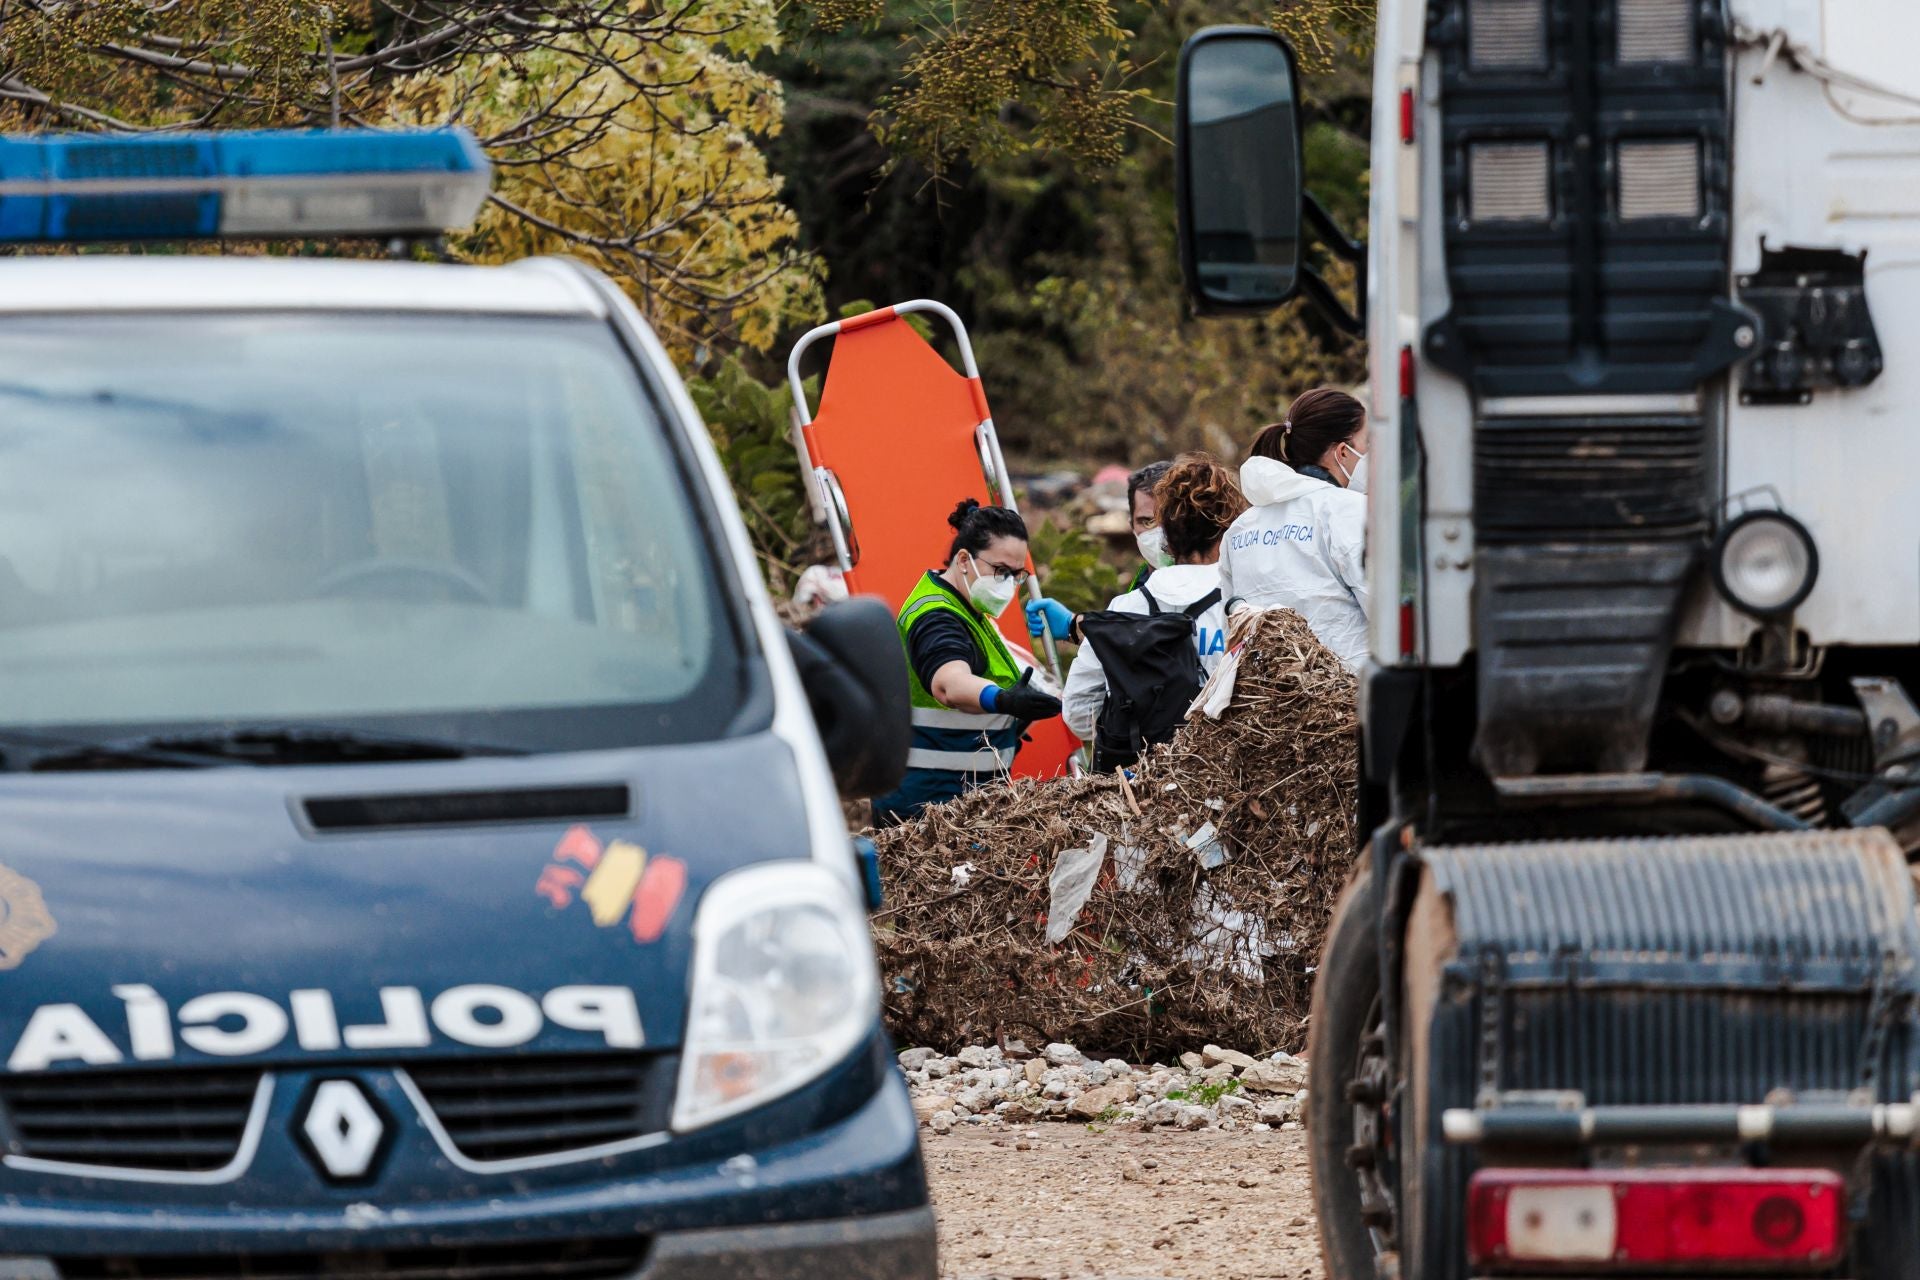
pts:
[25, 922]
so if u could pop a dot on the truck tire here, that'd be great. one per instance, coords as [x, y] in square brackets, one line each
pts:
[1345, 1015]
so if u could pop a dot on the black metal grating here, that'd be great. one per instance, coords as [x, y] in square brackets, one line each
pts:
[565, 1259]
[181, 1121]
[1588, 301]
[1594, 479]
[508, 1108]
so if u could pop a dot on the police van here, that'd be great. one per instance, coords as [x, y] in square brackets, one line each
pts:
[420, 848]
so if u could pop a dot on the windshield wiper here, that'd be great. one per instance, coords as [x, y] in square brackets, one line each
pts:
[263, 745]
[25, 750]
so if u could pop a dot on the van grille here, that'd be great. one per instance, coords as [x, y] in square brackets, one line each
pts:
[506, 1108]
[572, 1259]
[181, 1121]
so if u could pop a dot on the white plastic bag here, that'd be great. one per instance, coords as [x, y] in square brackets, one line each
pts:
[1071, 884]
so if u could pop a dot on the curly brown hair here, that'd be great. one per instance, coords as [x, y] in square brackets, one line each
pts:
[1197, 499]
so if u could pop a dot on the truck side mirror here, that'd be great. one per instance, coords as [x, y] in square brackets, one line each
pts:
[1239, 159]
[855, 673]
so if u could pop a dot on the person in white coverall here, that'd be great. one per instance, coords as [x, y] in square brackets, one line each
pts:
[1301, 545]
[1196, 501]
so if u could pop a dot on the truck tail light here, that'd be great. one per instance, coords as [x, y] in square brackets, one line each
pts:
[1772, 1219]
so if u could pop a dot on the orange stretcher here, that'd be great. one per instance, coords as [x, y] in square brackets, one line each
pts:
[899, 440]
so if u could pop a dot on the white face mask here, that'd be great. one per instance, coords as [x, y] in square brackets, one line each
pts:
[1357, 478]
[991, 593]
[1153, 547]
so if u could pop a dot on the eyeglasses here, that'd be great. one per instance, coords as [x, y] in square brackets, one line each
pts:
[1002, 572]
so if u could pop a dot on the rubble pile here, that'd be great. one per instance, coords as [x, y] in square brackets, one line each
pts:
[1214, 1089]
[1183, 905]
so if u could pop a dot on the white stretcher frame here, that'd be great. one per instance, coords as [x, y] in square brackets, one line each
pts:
[833, 501]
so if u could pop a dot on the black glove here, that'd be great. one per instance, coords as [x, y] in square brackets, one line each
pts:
[1024, 702]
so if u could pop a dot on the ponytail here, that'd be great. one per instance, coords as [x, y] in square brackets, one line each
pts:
[1317, 421]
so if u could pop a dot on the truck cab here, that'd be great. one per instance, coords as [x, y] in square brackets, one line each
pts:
[421, 849]
[1632, 937]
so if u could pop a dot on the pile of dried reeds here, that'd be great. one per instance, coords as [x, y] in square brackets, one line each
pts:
[1217, 868]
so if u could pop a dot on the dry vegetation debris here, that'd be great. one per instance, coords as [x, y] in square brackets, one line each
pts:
[1208, 878]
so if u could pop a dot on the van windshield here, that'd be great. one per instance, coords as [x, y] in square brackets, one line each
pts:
[471, 528]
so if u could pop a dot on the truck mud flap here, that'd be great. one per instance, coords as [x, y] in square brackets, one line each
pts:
[1675, 978]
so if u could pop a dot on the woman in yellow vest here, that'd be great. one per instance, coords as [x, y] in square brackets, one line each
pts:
[972, 699]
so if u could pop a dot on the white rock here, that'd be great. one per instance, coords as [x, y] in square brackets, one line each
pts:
[1213, 1055]
[999, 1078]
[927, 1105]
[1163, 1112]
[1191, 1117]
[939, 1068]
[941, 1121]
[1278, 1111]
[1234, 1105]
[1063, 1055]
[1097, 1076]
[915, 1059]
[975, 1055]
[1117, 1069]
[1275, 1076]
[1054, 1089]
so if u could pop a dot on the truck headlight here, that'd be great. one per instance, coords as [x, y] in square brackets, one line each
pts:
[784, 986]
[1765, 563]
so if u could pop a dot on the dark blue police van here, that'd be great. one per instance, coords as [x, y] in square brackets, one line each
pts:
[420, 844]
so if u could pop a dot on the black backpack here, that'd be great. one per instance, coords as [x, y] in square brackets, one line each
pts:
[1153, 676]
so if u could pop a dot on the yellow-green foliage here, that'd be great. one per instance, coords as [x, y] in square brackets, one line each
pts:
[643, 161]
[625, 132]
[1052, 62]
[988, 79]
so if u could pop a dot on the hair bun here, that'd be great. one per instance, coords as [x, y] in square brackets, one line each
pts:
[960, 513]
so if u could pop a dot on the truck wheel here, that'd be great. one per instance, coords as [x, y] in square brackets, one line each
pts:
[1347, 1087]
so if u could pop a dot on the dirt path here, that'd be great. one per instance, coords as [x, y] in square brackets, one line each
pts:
[1113, 1205]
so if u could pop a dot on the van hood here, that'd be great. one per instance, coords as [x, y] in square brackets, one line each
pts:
[221, 915]
[1267, 481]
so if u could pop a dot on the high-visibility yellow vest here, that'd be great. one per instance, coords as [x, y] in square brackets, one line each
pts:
[943, 738]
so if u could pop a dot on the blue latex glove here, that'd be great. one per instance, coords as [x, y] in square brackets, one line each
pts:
[1049, 616]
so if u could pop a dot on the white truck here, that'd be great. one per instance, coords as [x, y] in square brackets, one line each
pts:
[1625, 981]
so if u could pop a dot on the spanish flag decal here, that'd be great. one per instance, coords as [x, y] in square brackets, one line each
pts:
[618, 881]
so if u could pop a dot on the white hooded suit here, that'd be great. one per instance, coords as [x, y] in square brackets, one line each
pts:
[1301, 546]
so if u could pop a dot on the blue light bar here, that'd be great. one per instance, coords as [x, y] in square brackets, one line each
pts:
[246, 184]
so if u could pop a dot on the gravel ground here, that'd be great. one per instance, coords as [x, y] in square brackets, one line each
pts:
[1060, 1200]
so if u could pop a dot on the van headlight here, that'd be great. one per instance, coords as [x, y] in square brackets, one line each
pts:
[784, 986]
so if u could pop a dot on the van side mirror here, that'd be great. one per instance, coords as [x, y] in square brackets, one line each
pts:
[855, 674]
[1239, 159]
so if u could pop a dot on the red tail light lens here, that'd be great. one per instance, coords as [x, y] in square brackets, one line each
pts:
[1778, 1219]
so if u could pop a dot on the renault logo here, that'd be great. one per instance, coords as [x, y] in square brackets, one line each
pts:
[343, 1129]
